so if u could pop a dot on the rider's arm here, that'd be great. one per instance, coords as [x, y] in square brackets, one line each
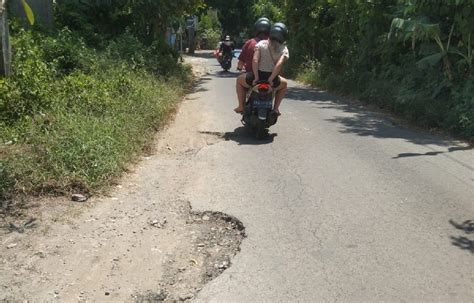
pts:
[276, 71]
[243, 53]
[256, 58]
[240, 65]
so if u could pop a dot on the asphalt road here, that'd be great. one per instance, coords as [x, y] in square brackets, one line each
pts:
[340, 204]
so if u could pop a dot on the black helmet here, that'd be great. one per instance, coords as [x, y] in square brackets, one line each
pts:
[262, 26]
[279, 32]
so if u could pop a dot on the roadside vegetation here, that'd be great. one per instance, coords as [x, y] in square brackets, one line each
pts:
[86, 96]
[413, 57]
[83, 99]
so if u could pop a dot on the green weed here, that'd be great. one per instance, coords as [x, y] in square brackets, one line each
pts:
[72, 118]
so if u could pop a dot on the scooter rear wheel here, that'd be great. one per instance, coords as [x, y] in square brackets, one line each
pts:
[261, 131]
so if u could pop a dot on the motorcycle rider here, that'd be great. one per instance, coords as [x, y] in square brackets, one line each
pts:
[268, 59]
[262, 29]
[225, 48]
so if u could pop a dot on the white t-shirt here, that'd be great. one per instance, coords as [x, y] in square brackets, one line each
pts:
[269, 56]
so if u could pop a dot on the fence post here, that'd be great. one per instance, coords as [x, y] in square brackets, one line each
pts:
[5, 49]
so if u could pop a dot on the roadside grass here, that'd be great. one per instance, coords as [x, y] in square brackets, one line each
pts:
[75, 121]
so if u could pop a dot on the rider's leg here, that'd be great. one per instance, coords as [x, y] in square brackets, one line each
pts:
[280, 93]
[241, 88]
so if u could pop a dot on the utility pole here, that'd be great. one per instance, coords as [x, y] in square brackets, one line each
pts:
[5, 49]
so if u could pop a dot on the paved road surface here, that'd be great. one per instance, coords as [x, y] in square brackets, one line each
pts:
[341, 204]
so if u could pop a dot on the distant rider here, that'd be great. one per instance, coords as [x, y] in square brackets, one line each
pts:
[226, 48]
[268, 59]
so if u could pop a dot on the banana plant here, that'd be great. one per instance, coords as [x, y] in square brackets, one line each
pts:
[26, 7]
[28, 12]
[467, 56]
[420, 30]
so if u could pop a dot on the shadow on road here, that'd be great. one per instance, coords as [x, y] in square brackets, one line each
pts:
[309, 95]
[433, 153]
[224, 74]
[359, 120]
[462, 241]
[243, 136]
[199, 84]
[201, 54]
[20, 228]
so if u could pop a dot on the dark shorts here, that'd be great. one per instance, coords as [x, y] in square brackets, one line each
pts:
[263, 76]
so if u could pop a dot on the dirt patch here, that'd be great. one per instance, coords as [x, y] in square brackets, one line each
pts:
[142, 242]
[146, 253]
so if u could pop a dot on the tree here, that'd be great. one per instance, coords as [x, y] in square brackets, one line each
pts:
[235, 15]
[274, 10]
[147, 19]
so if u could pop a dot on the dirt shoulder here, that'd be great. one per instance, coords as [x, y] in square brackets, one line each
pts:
[142, 242]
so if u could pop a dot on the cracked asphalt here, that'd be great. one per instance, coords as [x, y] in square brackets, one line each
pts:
[339, 204]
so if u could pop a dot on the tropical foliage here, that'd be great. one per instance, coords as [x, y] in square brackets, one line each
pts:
[85, 98]
[411, 56]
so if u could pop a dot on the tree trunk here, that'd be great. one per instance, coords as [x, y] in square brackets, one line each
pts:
[5, 50]
[191, 40]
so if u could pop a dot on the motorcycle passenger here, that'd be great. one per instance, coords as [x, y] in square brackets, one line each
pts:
[268, 59]
[262, 29]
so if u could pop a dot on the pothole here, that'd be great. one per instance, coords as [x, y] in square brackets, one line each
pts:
[213, 239]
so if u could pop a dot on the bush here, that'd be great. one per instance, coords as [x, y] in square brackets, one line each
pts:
[461, 117]
[422, 96]
[73, 120]
[210, 38]
[412, 57]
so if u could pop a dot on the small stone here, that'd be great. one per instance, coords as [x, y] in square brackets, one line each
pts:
[224, 265]
[201, 245]
[78, 198]
[56, 292]
[116, 259]
[185, 297]
[9, 246]
[206, 218]
[158, 223]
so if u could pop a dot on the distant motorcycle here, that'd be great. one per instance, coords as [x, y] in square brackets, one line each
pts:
[226, 62]
[258, 115]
